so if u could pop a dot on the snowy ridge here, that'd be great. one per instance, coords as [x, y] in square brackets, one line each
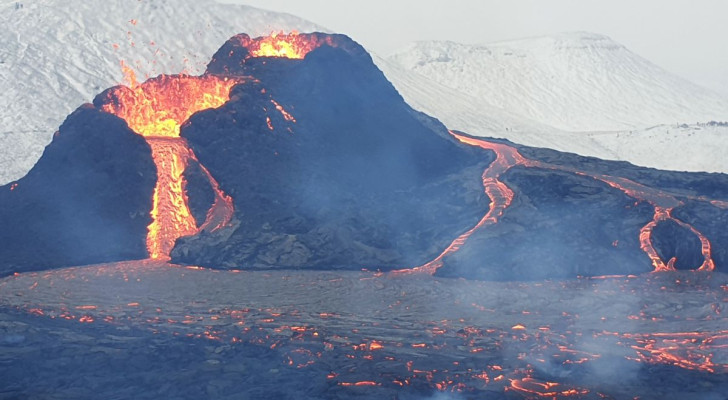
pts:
[57, 55]
[572, 81]
[580, 92]
[466, 112]
[684, 147]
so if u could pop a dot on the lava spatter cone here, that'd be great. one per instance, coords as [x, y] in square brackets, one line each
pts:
[323, 159]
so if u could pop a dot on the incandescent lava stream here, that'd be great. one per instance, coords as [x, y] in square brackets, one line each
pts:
[501, 197]
[156, 109]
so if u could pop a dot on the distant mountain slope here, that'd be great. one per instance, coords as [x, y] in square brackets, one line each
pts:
[689, 147]
[571, 81]
[458, 108]
[57, 55]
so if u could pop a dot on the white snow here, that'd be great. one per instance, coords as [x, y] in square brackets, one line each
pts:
[571, 81]
[575, 92]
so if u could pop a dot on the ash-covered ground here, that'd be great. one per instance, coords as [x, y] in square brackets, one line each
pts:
[150, 330]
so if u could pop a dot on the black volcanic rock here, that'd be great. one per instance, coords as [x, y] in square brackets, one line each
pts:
[87, 200]
[711, 221]
[559, 225]
[708, 218]
[233, 57]
[361, 180]
[672, 240]
[709, 184]
[358, 180]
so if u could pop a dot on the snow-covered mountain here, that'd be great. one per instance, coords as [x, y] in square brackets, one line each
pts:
[573, 92]
[571, 81]
[57, 55]
[681, 147]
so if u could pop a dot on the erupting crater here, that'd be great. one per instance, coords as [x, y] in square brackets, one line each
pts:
[292, 45]
[156, 109]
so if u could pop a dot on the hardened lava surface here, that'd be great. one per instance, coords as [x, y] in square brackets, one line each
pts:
[151, 330]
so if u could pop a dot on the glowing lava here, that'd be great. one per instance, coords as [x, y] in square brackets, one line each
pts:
[501, 197]
[532, 387]
[155, 110]
[292, 45]
[159, 106]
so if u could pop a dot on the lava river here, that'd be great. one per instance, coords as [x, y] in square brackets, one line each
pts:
[501, 197]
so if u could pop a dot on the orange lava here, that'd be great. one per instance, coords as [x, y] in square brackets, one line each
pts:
[500, 196]
[156, 109]
[533, 387]
[360, 383]
[687, 350]
[292, 45]
[159, 106]
[171, 216]
[662, 214]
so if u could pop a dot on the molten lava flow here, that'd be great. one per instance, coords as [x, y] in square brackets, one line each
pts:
[663, 204]
[533, 387]
[292, 45]
[171, 217]
[665, 214]
[501, 197]
[155, 110]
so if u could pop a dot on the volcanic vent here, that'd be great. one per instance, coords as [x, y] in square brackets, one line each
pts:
[156, 109]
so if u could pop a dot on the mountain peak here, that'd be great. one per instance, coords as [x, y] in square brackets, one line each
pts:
[574, 39]
[572, 81]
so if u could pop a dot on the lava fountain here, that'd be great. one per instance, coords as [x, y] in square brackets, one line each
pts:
[156, 109]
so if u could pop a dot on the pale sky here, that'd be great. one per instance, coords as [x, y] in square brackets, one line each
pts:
[687, 37]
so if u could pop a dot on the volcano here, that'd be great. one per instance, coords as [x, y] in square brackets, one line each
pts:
[294, 159]
[294, 151]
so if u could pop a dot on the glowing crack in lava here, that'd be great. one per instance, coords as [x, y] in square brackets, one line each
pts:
[292, 45]
[501, 197]
[155, 110]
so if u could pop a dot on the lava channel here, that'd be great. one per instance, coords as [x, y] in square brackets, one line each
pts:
[501, 197]
[155, 110]
[499, 193]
